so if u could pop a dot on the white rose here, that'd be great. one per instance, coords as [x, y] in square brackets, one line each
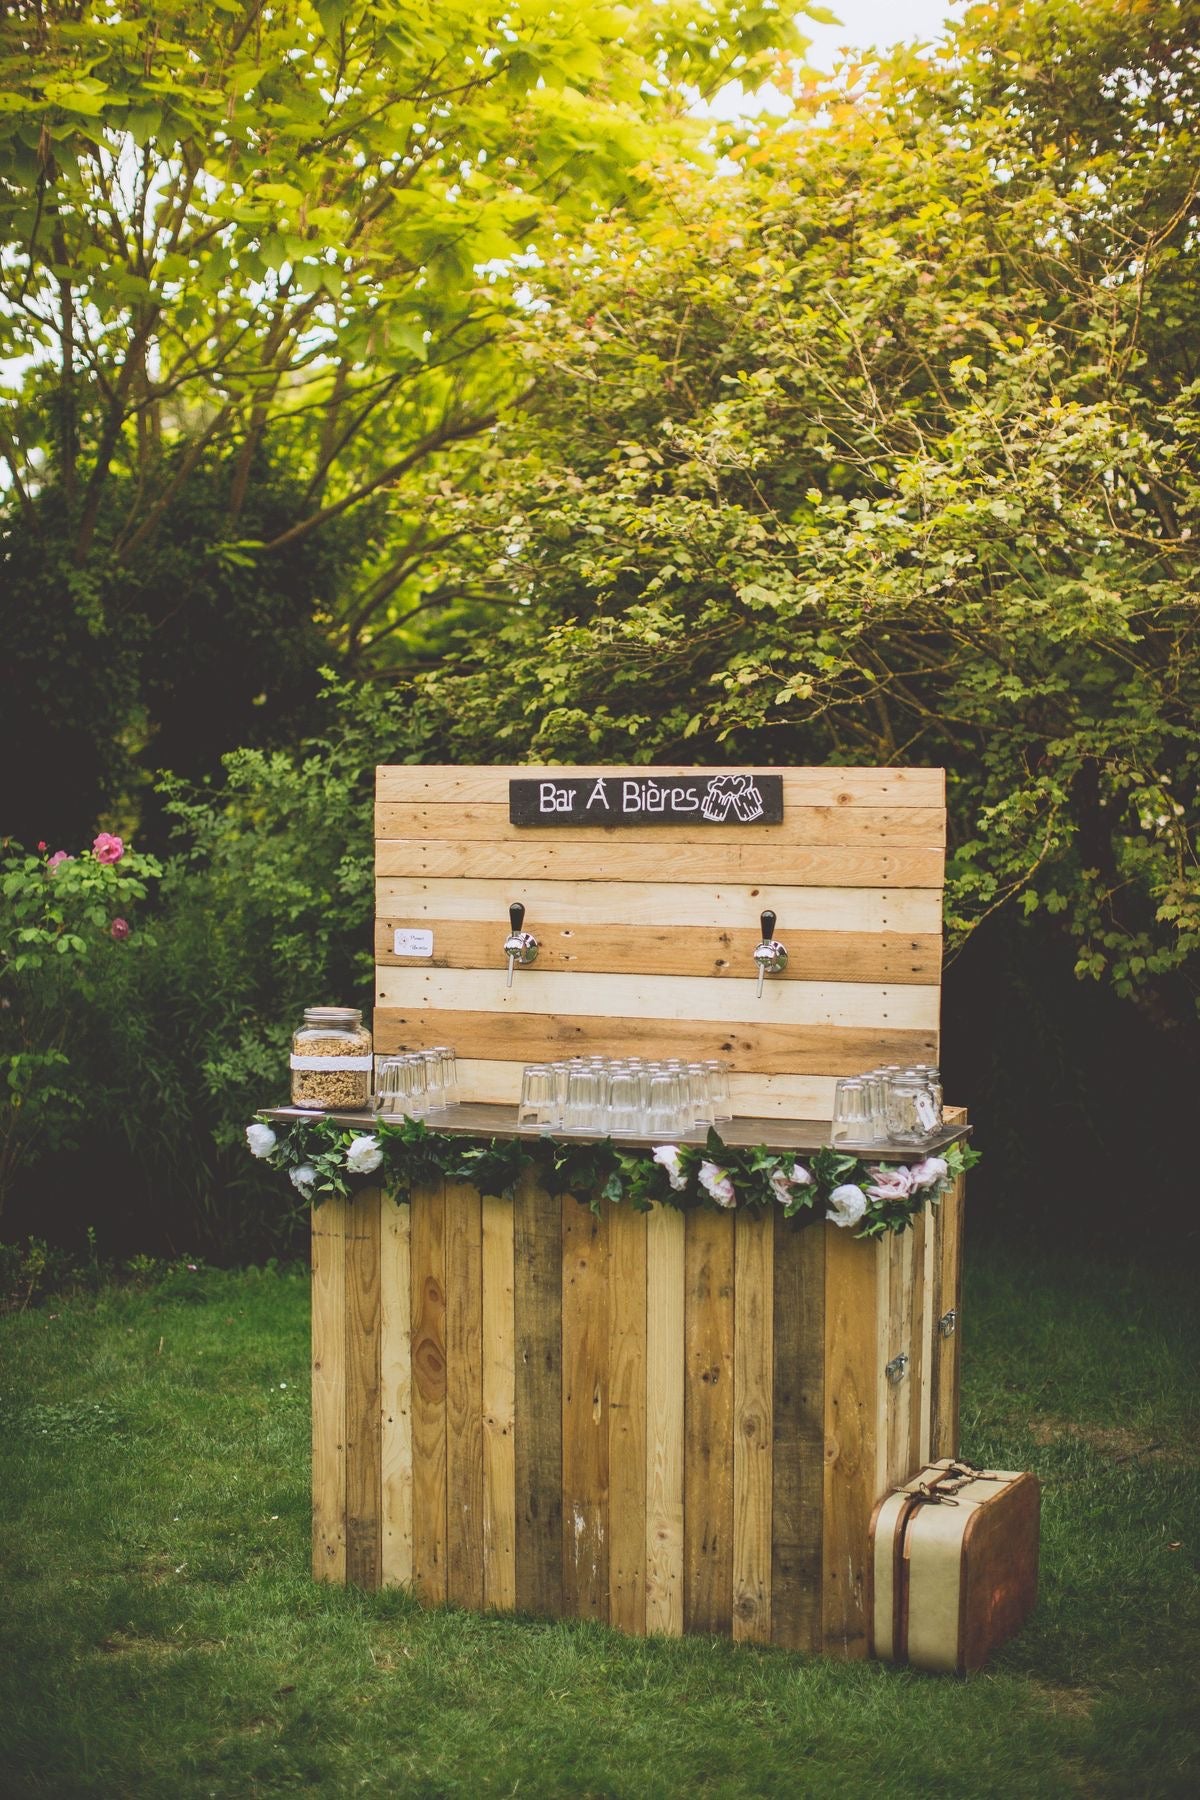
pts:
[781, 1186]
[261, 1139]
[800, 1176]
[364, 1155]
[303, 1179]
[933, 1169]
[718, 1184]
[847, 1204]
[668, 1156]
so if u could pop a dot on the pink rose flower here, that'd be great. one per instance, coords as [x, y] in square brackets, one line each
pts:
[716, 1181]
[43, 846]
[895, 1183]
[119, 929]
[933, 1169]
[60, 856]
[108, 849]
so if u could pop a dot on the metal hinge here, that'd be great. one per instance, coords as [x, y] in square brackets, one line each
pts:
[896, 1368]
[948, 1322]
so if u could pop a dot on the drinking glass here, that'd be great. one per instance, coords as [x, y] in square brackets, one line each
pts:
[389, 1086]
[852, 1111]
[434, 1083]
[700, 1099]
[877, 1082]
[718, 1078]
[449, 1074]
[537, 1107]
[665, 1102]
[585, 1099]
[415, 1077]
[625, 1115]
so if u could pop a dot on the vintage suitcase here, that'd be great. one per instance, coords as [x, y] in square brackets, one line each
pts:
[954, 1557]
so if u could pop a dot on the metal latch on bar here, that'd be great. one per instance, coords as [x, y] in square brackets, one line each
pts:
[948, 1322]
[896, 1368]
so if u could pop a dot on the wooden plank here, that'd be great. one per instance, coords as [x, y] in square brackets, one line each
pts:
[627, 1420]
[464, 1395]
[708, 1422]
[395, 1393]
[752, 1440]
[919, 1338]
[799, 1435]
[766, 1049]
[329, 1390]
[899, 1392]
[364, 1484]
[735, 906]
[428, 1270]
[717, 951]
[499, 1406]
[664, 1420]
[452, 785]
[537, 1282]
[852, 1380]
[488, 823]
[856, 1005]
[584, 1412]
[947, 1351]
[551, 860]
[759, 1096]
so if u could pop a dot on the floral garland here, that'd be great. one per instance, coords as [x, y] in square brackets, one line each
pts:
[323, 1160]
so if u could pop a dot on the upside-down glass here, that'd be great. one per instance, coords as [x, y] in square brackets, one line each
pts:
[585, 1098]
[389, 1088]
[537, 1107]
[700, 1098]
[626, 1117]
[852, 1121]
[718, 1081]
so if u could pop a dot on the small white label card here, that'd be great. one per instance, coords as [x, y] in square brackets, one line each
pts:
[412, 943]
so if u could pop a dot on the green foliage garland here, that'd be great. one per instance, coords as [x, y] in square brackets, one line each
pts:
[324, 1160]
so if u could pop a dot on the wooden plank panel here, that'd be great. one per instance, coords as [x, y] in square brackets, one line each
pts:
[754, 1096]
[766, 1048]
[488, 823]
[948, 1350]
[428, 1269]
[752, 1441]
[452, 785]
[852, 1380]
[918, 1337]
[537, 1282]
[720, 951]
[627, 1420]
[899, 1392]
[499, 1406]
[664, 1420]
[584, 1411]
[363, 1478]
[734, 906]
[464, 1395]
[542, 859]
[848, 1004]
[708, 1422]
[329, 1390]
[799, 1435]
[395, 1393]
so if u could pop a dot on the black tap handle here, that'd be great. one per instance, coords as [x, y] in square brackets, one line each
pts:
[767, 921]
[516, 916]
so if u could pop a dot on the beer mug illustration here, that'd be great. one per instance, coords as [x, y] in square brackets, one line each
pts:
[736, 791]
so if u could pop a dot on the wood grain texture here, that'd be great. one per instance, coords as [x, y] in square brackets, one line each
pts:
[364, 1484]
[862, 1005]
[488, 823]
[919, 1339]
[449, 784]
[798, 1408]
[464, 1395]
[708, 1422]
[753, 1379]
[718, 951]
[537, 1283]
[428, 1271]
[947, 1351]
[627, 1420]
[898, 1394]
[546, 858]
[584, 1411]
[664, 1420]
[395, 1394]
[765, 1049]
[499, 1407]
[852, 1382]
[729, 906]
[329, 1390]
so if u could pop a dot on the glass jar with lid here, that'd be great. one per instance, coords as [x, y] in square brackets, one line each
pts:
[331, 1060]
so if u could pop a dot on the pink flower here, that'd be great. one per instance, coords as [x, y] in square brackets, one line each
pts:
[668, 1156]
[119, 929]
[933, 1169]
[895, 1183]
[60, 856]
[42, 845]
[108, 849]
[717, 1183]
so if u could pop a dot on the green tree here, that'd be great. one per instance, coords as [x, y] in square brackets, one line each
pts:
[889, 450]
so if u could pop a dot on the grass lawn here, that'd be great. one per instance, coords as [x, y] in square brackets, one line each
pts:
[159, 1634]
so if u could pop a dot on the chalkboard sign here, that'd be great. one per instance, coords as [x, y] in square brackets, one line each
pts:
[696, 799]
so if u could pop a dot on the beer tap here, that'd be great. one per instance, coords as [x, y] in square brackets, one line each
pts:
[770, 955]
[519, 946]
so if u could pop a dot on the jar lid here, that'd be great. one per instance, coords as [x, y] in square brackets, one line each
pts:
[333, 1015]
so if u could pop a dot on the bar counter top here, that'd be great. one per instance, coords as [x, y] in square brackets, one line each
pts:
[473, 1118]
